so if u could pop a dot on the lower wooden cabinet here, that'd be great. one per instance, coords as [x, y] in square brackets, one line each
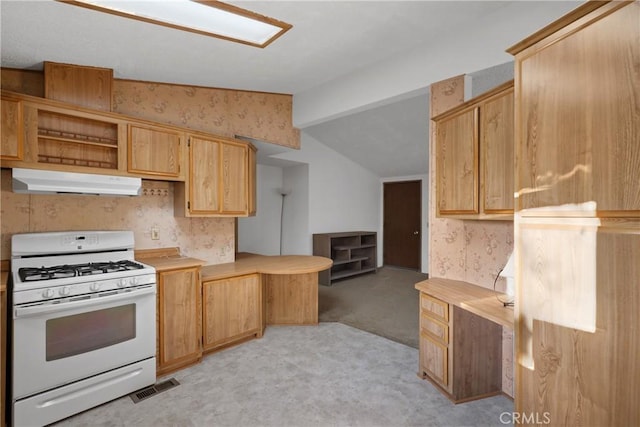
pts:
[179, 319]
[460, 352]
[232, 310]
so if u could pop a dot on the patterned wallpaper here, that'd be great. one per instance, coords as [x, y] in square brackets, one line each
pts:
[210, 239]
[264, 116]
[226, 112]
[472, 251]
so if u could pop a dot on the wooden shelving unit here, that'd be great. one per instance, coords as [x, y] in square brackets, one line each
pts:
[353, 253]
[77, 141]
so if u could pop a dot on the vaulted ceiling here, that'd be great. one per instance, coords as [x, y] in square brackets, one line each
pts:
[331, 41]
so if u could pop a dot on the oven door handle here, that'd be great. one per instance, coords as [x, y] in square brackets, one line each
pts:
[51, 308]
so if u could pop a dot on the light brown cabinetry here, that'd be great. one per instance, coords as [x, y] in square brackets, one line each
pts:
[578, 127]
[74, 139]
[232, 310]
[179, 317]
[251, 181]
[11, 146]
[474, 157]
[90, 87]
[44, 134]
[218, 182]
[434, 338]
[461, 338]
[577, 133]
[154, 151]
[54, 135]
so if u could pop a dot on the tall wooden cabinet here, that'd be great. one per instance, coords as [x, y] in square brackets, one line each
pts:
[577, 233]
[179, 317]
[474, 157]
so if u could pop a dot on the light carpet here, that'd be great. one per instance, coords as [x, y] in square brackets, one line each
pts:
[326, 375]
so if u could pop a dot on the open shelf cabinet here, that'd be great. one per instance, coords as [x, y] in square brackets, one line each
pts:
[353, 253]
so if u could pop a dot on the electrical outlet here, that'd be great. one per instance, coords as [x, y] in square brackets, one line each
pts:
[155, 233]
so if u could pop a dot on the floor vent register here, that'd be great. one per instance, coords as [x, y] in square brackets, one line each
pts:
[153, 390]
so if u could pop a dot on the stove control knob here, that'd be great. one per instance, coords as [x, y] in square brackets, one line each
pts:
[134, 281]
[64, 291]
[95, 286]
[122, 283]
[47, 293]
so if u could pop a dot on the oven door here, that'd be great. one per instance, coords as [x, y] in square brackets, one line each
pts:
[56, 344]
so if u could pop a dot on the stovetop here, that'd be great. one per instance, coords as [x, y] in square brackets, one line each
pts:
[31, 274]
[48, 266]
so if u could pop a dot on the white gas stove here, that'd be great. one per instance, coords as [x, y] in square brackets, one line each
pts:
[83, 322]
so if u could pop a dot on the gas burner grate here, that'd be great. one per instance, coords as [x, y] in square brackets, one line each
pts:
[29, 274]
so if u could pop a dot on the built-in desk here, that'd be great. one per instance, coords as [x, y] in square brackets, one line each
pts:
[461, 338]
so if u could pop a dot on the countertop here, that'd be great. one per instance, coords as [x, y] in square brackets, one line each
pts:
[170, 259]
[172, 262]
[475, 299]
[279, 264]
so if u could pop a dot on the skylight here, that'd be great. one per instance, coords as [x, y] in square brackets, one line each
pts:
[210, 18]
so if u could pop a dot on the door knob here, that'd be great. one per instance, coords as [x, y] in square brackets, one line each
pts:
[415, 233]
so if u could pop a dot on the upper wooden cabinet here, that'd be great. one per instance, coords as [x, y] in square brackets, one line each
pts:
[457, 163]
[578, 127]
[219, 178]
[44, 134]
[474, 157]
[251, 181]
[155, 151]
[233, 185]
[79, 85]
[496, 154]
[11, 147]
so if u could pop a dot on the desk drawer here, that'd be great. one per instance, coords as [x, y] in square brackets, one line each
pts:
[434, 307]
[434, 327]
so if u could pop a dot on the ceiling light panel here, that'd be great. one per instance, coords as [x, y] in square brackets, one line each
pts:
[211, 18]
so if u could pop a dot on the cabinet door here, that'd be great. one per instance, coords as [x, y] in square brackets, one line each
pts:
[234, 178]
[11, 147]
[252, 181]
[457, 164]
[204, 158]
[179, 318]
[232, 310]
[154, 151]
[434, 359]
[578, 118]
[496, 146]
